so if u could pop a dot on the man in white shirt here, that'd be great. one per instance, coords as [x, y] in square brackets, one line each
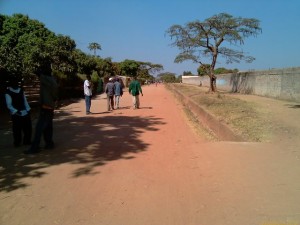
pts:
[87, 87]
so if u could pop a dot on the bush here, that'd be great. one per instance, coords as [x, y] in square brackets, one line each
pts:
[69, 87]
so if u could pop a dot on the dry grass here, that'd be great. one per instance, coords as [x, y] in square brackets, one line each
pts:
[244, 118]
[200, 129]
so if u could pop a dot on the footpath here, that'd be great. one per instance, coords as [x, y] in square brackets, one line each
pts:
[149, 167]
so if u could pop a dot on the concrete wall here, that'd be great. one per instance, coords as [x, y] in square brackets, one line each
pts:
[276, 83]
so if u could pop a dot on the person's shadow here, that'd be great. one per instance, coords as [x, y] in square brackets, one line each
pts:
[86, 141]
[294, 106]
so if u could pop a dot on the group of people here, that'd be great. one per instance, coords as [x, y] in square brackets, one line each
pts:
[20, 112]
[113, 90]
[20, 109]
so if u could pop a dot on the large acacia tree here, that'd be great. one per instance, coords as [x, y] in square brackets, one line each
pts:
[198, 40]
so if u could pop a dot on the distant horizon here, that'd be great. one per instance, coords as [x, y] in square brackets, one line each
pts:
[137, 30]
[254, 70]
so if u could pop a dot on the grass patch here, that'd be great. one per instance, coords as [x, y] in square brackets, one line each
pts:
[198, 127]
[244, 118]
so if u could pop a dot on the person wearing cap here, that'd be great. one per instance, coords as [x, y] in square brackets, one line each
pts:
[110, 92]
[135, 90]
[20, 113]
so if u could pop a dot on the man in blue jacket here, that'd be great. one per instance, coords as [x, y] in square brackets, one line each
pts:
[118, 92]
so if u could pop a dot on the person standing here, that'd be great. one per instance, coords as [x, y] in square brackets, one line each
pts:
[118, 92]
[87, 88]
[110, 91]
[48, 96]
[20, 113]
[135, 90]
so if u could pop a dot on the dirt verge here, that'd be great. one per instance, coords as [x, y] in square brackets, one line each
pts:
[229, 118]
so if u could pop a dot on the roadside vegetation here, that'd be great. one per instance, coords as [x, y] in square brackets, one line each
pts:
[27, 44]
[244, 118]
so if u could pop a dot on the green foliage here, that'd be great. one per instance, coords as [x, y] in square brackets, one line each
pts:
[129, 67]
[116, 68]
[27, 46]
[146, 70]
[104, 67]
[94, 47]
[95, 78]
[85, 63]
[69, 87]
[187, 73]
[167, 77]
[223, 70]
[142, 70]
[24, 44]
[100, 87]
[63, 54]
[205, 70]
[179, 79]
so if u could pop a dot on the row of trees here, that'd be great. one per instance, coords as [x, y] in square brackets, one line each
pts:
[168, 77]
[26, 45]
[205, 70]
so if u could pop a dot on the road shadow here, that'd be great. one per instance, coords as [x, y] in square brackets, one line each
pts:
[87, 141]
[146, 107]
[292, 106]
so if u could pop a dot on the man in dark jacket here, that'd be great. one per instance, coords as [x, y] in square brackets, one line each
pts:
[48, 97]
[110, 92]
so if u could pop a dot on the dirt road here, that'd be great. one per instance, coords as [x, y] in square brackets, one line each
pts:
[147, 167]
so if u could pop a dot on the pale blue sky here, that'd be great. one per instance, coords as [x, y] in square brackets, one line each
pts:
[135, 29]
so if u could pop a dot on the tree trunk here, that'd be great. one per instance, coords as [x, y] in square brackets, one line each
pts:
[213, 83]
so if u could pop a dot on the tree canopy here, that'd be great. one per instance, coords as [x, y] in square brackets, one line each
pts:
[23, 44]
[94, 46]
[167, 77]
[199, 41]
[143, 70]
[27, 45]
[204, 69]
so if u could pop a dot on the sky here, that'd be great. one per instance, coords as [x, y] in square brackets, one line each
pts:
[136, 29]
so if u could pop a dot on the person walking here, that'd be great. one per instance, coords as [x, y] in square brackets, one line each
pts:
[48, 96]
[20, 113]
[118, 92]
[87, 88]
[135, 90]
[110, 91]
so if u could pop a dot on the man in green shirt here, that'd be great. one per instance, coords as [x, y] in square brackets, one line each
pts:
[135, 90]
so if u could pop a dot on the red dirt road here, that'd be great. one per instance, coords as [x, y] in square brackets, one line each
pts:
[147, 167]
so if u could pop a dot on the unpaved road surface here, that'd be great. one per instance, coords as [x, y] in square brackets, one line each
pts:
[149, 167]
